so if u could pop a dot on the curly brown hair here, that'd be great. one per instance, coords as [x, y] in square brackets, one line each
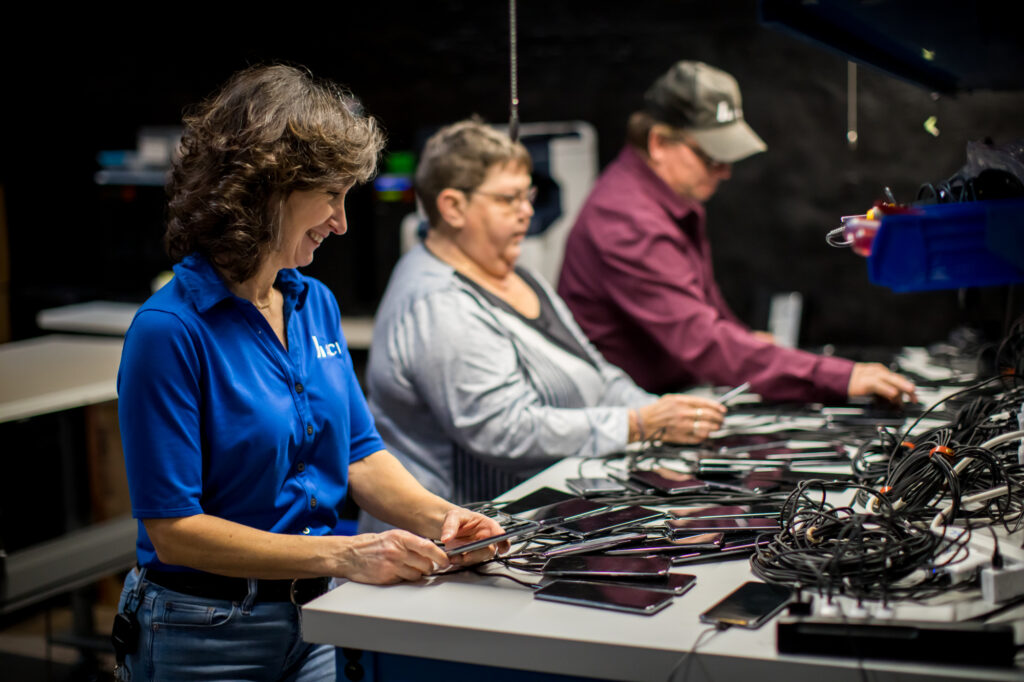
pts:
[269, 131]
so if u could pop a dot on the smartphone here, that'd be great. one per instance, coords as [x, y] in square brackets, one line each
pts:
[573, 508]
[674, 583]
[755, 479]
[869, 415]
[710, 542]
[811, 454]
[750, 605]
[610, 520]
[689, 526]
[753, 482]
[725, 512]
[634, 568]
[796, 476]
[786, 451]
[633, 486]
[511, 535]
[740, 465]
[541, 497]
[639, 600]
[593, 544]
[669, 484]
[733, 549]
[738, 443]
[589, 487]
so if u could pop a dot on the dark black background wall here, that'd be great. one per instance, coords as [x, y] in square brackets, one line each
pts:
[91, 82]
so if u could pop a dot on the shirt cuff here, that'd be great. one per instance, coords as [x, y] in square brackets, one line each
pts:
[832, 375]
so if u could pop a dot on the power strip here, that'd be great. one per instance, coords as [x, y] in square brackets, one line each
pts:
[1002, 584]
[958, 643]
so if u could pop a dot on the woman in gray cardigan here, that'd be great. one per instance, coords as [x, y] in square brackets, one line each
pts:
[478, 376]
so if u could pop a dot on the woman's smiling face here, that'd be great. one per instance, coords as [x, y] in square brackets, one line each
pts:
[307, 218]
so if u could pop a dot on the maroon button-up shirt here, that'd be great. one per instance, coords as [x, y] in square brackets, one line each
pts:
[637, 276]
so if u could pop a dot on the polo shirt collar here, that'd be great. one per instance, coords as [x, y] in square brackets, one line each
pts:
[205, 288]
[676, 206]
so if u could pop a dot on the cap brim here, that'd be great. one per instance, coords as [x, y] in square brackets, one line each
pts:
[729, 143]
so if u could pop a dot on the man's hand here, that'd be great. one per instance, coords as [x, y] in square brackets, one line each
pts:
[461, 526]
[872, 378]
[389, 557]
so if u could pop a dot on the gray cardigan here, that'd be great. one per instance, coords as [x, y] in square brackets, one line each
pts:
[472, 399]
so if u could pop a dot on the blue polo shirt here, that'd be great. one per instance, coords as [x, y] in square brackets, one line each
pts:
[218, 418]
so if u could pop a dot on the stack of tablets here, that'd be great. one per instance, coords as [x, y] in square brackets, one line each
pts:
[640, 585]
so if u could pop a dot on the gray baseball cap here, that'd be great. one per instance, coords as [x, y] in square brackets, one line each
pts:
[705, 102]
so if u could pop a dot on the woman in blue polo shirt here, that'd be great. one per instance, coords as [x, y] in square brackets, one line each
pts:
[242, 422]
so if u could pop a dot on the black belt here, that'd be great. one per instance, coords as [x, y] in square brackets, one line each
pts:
[212, 586]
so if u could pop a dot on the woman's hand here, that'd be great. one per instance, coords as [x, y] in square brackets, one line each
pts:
[461, 526]
[677, 419]
[872, 378]
[389, 557]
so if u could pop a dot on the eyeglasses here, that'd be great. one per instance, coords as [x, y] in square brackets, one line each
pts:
[512, 201]
[705, 158]
[710, 163]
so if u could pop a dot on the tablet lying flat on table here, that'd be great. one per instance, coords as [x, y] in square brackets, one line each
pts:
[588, 566]
[636, 600]
[599, 523]
[674, 583]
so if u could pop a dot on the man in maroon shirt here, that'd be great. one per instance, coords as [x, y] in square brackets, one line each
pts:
[637, 273]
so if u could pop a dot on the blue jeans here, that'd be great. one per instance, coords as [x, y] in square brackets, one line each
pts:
[182, 637]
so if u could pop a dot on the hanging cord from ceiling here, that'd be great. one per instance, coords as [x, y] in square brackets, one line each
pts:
[513, 122]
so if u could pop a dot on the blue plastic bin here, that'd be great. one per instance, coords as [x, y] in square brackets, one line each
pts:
[949, 246]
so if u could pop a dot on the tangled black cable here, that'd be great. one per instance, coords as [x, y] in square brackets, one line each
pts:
[837, 550]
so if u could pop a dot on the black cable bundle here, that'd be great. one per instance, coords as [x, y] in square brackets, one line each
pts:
[924, 476]
[837, 550]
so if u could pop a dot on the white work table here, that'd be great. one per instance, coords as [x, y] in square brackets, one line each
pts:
[92, 317]
[114, 318]
[52, 374]
[493, 621]
[57, 372]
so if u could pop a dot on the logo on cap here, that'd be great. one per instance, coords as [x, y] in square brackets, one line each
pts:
[725, 112]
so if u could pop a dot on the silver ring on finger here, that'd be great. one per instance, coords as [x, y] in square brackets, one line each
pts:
[696, 426]
[700, 412]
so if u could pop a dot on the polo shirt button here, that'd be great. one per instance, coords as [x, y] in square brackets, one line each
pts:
[301, 466]
[309, 429]
[305, 531]
[298, 388]
[312, 502]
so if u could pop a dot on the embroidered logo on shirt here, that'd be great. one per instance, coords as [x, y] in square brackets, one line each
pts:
[328, 349]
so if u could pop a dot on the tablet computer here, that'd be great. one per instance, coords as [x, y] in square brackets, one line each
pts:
[689, 526]
[590, 566]
[669, 482]
[593, 544]
[589, 487]
[541, 497]
[568, 510]
[699, 542]
[610, 520]
[674, 583]
[725, 511]
[626, 599]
